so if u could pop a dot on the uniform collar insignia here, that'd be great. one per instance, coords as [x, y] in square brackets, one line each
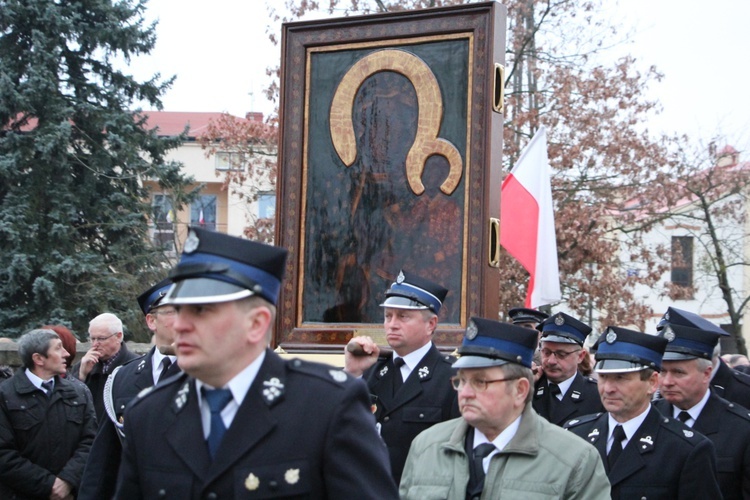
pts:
[273, 389]
[181, 396]
[424, 372]
[141, 365]
[384, 370]
[291, 476]
[252, 482]
[540, 391]
[575, 395]
[594, 433]
[648, 440]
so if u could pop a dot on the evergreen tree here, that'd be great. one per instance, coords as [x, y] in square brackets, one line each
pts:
[73, 158]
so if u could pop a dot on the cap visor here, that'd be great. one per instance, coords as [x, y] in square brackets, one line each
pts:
[204, 291]
[618, 366]
[402, 303]
[678, 356]
[478, 362]
[559, 339]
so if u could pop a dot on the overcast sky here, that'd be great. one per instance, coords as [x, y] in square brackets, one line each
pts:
[219, 51]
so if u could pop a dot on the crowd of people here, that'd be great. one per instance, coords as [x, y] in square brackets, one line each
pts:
[535, 408]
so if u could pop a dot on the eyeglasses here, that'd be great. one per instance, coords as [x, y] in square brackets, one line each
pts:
[561, 355]
[101, 339]
[170, 312]
[477, 384]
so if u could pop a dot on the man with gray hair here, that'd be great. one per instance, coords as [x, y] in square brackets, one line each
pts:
[106, 353]
[47, 423]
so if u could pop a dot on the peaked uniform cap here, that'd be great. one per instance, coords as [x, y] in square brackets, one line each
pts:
[675, 316]
[151, 298]
[492, 343]
[685, 342]
[564, 329]
[413, 292]
[519, 315]
[216, 267]
[621, 350]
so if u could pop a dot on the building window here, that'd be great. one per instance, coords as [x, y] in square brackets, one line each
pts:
[267, 205]
[682, 263]
[163, 217]
[203, 212]
[230, 161]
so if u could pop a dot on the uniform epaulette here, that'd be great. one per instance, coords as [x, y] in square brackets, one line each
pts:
[134, 360]
[178, 377]
[742, 378]
[581, 420]
[329, 373]
[736, 409]
[678, 428]
[448, 358]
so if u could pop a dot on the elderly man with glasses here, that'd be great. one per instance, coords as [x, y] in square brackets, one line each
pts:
[562, 393]
[500, 447]
[106, 353]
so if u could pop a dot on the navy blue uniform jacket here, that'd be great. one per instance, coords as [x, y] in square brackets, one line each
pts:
[425, 399]
[582, 398]
[304, 430]
[664, 459]
[727, 425]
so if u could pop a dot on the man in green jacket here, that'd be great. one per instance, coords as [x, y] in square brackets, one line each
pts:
[500, 447]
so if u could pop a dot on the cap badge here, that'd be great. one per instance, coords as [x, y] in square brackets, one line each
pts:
[669, 334]
[338, 375]
[611, 337]
[252, 482]
[559, 320]
[400, 278]
[384, 370]
[666, 315]
[688, 433]
[273, 389]
[191, 243]
[471, 331]
[424, 372]
[291, 476]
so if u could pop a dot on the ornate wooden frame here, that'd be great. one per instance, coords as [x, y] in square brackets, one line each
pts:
[316, 117]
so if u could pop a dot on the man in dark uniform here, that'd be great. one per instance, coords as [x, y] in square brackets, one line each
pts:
[684, 385]
[525, 317]
[107, 352]
[726, 382]
[646, 454]
[410, 389]
[562, 393]
[126, 381]
[241, 421]
[47, 423]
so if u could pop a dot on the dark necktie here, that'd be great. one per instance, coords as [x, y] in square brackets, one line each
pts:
[616, 450]
[398, 380]
[554, 391]
[48, 386]
[217, 399]
[165, 364]
[476, 481]
[684, 416]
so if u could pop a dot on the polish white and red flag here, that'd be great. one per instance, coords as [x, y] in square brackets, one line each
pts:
[527, 221]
